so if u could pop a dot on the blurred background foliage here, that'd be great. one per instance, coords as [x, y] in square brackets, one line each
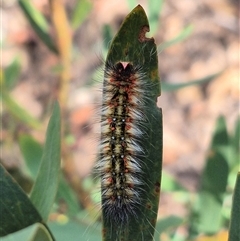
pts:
[54, 50]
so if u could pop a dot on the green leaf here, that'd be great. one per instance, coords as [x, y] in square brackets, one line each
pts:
[18, 112]
[11, 74]
[210, 217]
[183, 35]
[215, 174]
[166, 224]
[207, 214]
[132, 4]
[45, 187]
[38, 23]
[42, 233]
[236, 135]
[155, 9]
[234, 230]
[235, 146]
[66, 193]
[35, 232]
[80, 12]
[16, 210]
[172, 87]
[22, 235]
[220, 137]
[75, 231]
[32, 153]
[169, 183]
[131, 45]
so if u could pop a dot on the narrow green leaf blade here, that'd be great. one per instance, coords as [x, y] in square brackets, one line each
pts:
[234, 230]
[45, 188]
[154, 10]
[11, 74]
[38, 23]
[80, 12]
[32, 153]
[75, 231]
[35, 232]
[173, 87]
[21, 235]
[209, 214]
[163, 225]
[214, 179]
[66, 193]
[235, 145]
[131, 45]
[208, 217]
[169, 184]
[182, 35]
[220, 137]
[16, 210]
[236, 135]
[132, 3]
[42, 233]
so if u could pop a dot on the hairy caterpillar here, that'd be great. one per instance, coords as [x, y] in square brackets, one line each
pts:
[122, 117]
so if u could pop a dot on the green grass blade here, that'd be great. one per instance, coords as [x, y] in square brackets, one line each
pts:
[234, 230]
[45, 187]
[173, 87]
[16, 209]
[80, 12]
[183, 35]
[130, 45]
[38, 23]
